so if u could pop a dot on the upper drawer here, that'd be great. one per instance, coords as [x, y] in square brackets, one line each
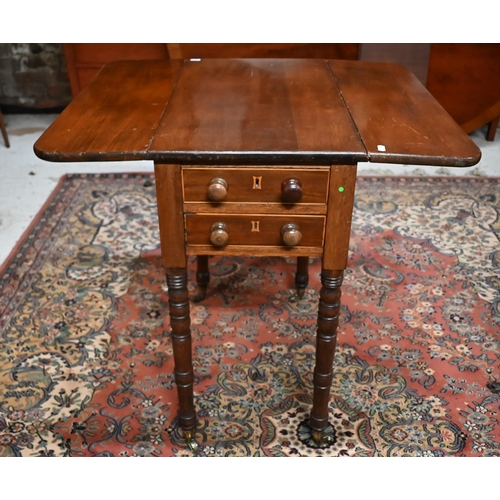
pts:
[256, 185]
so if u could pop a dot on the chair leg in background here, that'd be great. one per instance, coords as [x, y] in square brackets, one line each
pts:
[492, 128]
[4, 131]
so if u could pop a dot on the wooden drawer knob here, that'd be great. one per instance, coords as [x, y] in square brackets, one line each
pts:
[218, 234]
[291, 191]
[291, 235]
[217, 189]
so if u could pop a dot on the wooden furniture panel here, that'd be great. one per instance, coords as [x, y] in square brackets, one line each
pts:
[338, 228]
[256, 251]
[264, 50]
[85, 60]
[168, 181]
[465, 80]
[115, 117]
[221, 113]
[83, 78]
[256, 185]
[242, 229]
[410, 124]
[463, 77]
[414, 56]
[281, 134]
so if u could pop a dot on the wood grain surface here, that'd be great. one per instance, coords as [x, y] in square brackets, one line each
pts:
[465, 80]
[168, 180]
[115, 117]
[264, 50]
[398, 119]
[241, 229]
[258, 111]
[338, 225]
[241, 184]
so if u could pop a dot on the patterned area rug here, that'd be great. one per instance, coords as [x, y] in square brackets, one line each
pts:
[86, 359]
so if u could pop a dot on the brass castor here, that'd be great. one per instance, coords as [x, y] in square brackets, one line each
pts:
[191, 441]
[321, 438]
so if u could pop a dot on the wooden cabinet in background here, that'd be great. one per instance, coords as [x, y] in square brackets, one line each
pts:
[465, 79]
[264, 50]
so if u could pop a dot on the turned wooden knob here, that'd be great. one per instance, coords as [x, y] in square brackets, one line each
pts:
[217, 189]
[291, 190]
[291, 235]
[218, 234]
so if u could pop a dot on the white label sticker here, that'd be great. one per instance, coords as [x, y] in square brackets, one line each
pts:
[381, 147]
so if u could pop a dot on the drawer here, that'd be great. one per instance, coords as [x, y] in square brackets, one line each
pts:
[283, 185]
[255, 230]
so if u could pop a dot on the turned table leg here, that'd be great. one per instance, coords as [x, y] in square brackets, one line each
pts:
[181, 340]
[492, 128]
[326, 340]
[335, 258]
[173, 250]
[202, 277]
[301, 278]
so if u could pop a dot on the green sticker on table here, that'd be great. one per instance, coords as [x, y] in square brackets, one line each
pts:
[341, 189]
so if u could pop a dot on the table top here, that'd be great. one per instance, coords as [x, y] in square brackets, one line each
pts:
[257, 112]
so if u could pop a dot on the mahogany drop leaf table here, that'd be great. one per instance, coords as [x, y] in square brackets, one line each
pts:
[256, 157]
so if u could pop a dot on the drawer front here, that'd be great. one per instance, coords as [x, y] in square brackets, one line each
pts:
[256, 185]
[254, 230]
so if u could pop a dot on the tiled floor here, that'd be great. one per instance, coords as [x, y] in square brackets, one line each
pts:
[26, 181]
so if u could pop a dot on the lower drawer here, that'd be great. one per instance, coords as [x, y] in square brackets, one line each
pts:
[254, 230]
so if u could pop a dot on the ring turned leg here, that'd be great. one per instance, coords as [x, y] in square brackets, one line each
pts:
[180, 324]
[302, 276]
[326, 340]
[202, 277]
